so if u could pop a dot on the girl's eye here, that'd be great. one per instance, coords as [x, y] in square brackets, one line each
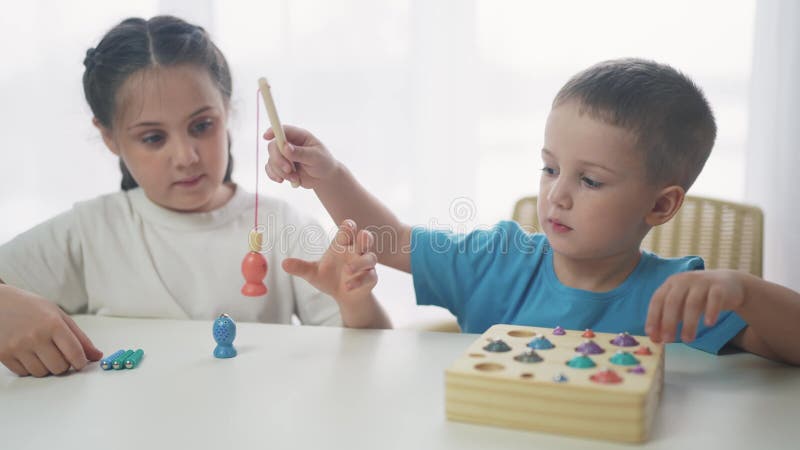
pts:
[202, 126]
[152, 139]
[548, 170]
[591, 183]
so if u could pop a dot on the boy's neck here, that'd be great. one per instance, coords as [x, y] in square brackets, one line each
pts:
[596, 275]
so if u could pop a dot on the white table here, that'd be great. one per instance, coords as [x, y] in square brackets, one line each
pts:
[315, 387]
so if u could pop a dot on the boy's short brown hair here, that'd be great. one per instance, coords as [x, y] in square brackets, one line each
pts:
[669, 115]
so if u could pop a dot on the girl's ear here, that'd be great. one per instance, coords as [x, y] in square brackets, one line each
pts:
[667, 204]
[108, 138]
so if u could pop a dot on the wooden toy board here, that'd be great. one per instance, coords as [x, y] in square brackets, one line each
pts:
[493, 388]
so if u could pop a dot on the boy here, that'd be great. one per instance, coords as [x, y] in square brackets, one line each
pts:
[623, 142]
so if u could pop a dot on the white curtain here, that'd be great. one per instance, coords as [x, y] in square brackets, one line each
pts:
[773, 150]
[438, 106]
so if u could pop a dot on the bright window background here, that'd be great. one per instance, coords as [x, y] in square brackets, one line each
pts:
[438, 107]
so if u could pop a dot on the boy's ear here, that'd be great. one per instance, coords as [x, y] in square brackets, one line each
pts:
[108, 138]
[668, 202]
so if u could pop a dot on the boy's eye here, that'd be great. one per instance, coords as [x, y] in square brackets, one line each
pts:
[153, 138]
[591, 183]
[548, 170]
[202, 126]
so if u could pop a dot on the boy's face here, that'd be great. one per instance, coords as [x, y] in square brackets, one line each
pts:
[593, 195]
[170, 130]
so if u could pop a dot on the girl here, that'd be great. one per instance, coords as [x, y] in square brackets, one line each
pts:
[170, 243]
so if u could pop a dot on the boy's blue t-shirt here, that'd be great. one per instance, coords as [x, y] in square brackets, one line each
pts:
[506, 275]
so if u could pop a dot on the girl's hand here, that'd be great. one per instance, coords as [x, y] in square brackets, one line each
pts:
[346, 271]
[38, 338]
[687, 295]
[304, 160]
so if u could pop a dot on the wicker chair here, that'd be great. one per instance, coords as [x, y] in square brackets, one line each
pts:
[727, 235]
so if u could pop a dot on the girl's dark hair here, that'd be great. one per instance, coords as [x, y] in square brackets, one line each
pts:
[137, 44]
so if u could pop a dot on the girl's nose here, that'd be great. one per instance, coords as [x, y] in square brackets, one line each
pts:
[185, 152]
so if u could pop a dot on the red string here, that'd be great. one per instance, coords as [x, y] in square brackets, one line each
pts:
[258, 139]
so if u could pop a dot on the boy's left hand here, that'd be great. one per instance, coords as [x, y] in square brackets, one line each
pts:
[687, 295]
[346, 271]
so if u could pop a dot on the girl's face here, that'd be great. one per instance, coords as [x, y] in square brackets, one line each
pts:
[170, 130]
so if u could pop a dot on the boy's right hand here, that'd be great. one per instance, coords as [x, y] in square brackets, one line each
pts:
[38, 338]
[304, 160]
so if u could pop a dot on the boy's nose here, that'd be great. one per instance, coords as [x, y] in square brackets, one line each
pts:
[559, 194]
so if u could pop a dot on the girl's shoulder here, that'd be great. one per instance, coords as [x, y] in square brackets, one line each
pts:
[114, 202]
[134, 206]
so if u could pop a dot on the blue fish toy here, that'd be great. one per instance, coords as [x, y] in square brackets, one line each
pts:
[224, 333]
